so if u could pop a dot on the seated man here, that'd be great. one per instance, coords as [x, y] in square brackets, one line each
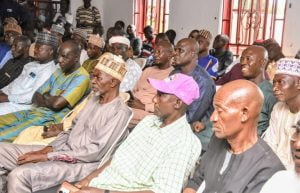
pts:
[237, 160]
[18, 94]
[120, 45]
[143, 93]
[205, 60]
[55, 98]
[253, 61]
[288, 180]
[78, 151]
[11, 31]
[80, 36]
[221, 52]
[95, 48]
[160, 152]
[286, 113]
[14, 67]
[186, 54]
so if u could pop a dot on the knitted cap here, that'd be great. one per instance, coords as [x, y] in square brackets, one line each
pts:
[46, 38]
[13, 27]
[112, 65]
[96, 40]
[290, 66]
[58, 29]
[205, 34]
[81, 33]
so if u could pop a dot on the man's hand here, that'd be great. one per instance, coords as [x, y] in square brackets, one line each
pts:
[83, 183]
[90, 190]
[32, 158]
[52, 130]
[3, 98]
[189, 190]
[35, 156]
[198, 126]
[136, 103]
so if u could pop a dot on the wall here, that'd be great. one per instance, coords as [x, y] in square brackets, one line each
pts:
[291, 37]
[188, 15]
[110, 10]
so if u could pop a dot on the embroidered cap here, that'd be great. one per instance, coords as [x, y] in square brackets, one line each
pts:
[10, 20]
[119, 39]
[80, 32]
[180, 85]
[96, 40]
[58, 29]
[46, 38]
[205, 34]
[290, 66]
[13, 27]
[112, 65]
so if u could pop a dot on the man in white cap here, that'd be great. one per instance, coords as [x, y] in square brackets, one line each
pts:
[160, 152]
[94, 50]
[286, 113]
[120, 45]
[17, 95]
[78, 151]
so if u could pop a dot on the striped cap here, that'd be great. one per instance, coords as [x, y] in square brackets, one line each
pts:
[13, 27]
[46, 38]
[112, 65]
[82, 33]
[58, 29]
[205, 34]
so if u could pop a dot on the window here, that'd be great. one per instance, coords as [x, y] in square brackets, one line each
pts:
[151, 12]
[245, 21]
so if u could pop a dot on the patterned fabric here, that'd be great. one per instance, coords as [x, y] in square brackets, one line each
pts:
[205, 34]
[290, 66]
[13, 27]
[11, 70]
[112, 65]
[131, 77]
[82, 33]
[209, 64]
[89, 65]
[58, 29]
[72, 87]
[96, 40]
[90, 15]
[47, 38]
[152, 158]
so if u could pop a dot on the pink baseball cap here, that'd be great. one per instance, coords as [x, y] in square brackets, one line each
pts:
[180, 85]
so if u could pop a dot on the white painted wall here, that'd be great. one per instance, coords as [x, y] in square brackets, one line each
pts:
[186, 15]
[291, 37]
[110, 10]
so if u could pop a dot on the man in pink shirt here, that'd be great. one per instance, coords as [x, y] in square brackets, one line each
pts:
[143, 93]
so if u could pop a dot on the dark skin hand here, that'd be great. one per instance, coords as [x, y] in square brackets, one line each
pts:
[35, 156]
[3, 97]
[55, 103]
[136, 103]
[52, 130]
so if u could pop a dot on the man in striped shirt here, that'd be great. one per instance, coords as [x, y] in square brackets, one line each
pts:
[87, 17]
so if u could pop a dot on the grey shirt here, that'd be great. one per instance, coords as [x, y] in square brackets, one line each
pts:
[245, 173]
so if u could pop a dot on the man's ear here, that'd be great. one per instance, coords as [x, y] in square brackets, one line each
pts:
[245, 114]
[114, 82]
[178, 104]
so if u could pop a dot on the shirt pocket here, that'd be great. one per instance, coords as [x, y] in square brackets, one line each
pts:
[29, 80]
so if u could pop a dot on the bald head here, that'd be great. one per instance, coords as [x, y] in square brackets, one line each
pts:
[186, 52]
[242, 93]
[72, 45]
[253, 61]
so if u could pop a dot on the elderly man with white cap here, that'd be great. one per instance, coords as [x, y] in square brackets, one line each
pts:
[78, 151]
[160, 152]
[286, 113]
[120, 45]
